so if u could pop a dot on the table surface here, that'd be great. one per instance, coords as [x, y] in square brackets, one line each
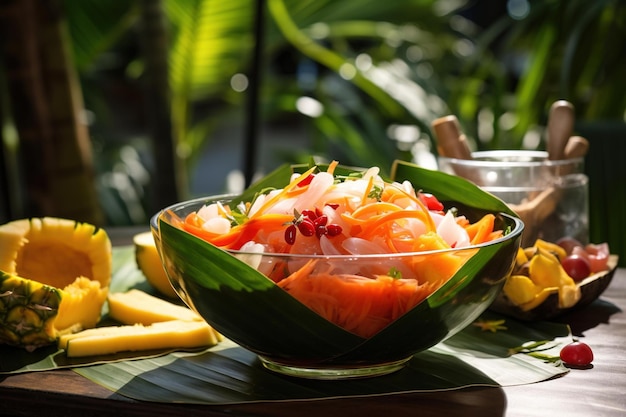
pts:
[598, 391]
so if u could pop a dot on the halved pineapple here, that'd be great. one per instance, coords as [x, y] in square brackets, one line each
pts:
[54, 279]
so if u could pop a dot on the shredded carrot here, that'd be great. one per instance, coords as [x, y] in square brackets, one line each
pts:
[294, 192]
[379, 221]
[480, 231]
[332, 166]
[239, 234]
[374, 208]
[360, 305]
[293, 184]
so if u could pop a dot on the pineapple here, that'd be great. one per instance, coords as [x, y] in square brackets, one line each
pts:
[148, 322]
[173, 334]
[54, 279]
[136, 306]
[149, 262]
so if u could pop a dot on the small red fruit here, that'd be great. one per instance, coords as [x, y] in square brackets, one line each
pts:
[290, 234]
[576, 267]
[569, 243]
[577, 354]
[310, 214]
[333, 229]
[306, 227]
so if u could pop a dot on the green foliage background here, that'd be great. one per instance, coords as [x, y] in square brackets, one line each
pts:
[369, 67]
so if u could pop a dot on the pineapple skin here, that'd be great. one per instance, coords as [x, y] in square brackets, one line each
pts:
[28, 310]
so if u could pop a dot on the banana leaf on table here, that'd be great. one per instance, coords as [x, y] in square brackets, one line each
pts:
[227, 373]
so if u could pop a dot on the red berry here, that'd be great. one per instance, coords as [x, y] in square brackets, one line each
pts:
[321, 220]
[576, 267]
[577, 354]
[333, 229]
[320, 230]
[290, 234]
[568, 243]
[306, 227]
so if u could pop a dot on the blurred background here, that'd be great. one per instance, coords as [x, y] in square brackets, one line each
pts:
[112, 110]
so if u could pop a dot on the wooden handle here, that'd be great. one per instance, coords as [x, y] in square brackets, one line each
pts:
[451, 142]
[560, 127]
[576, 147]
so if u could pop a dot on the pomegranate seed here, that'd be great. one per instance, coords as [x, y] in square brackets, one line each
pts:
[333, 206]
[306, 181]
[309, 214]
[333, 229]
[320, 230]
[306, 227]
[318, 212]
[290, 234]
[321, 220]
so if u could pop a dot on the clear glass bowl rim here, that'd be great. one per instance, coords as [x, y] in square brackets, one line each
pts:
[511, 158]
[154, 225]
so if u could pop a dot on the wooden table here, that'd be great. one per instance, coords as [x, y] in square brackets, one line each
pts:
[598, 391]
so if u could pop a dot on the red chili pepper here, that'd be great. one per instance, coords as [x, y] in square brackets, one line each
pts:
[431, 202]
[306, 181]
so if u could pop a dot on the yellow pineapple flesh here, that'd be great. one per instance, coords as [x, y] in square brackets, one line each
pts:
[172, 334]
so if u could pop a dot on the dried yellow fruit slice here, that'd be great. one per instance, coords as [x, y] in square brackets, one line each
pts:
[520, 289]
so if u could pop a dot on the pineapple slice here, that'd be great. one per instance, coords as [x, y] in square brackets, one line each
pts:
[163, 335]
[54, 279]
[148, 323]
[136, 306]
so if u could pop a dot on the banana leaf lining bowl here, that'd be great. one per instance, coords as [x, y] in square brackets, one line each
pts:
[289, 337]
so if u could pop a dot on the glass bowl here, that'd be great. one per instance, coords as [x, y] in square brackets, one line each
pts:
[293, 333]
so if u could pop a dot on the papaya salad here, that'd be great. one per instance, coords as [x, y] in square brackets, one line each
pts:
[356, 249]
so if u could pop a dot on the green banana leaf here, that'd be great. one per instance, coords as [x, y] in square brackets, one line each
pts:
[449, 187]
[230, 373]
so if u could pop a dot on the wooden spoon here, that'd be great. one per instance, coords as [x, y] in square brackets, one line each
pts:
[576, 147]
[534, 212]
[451, 141]
[560, 127]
